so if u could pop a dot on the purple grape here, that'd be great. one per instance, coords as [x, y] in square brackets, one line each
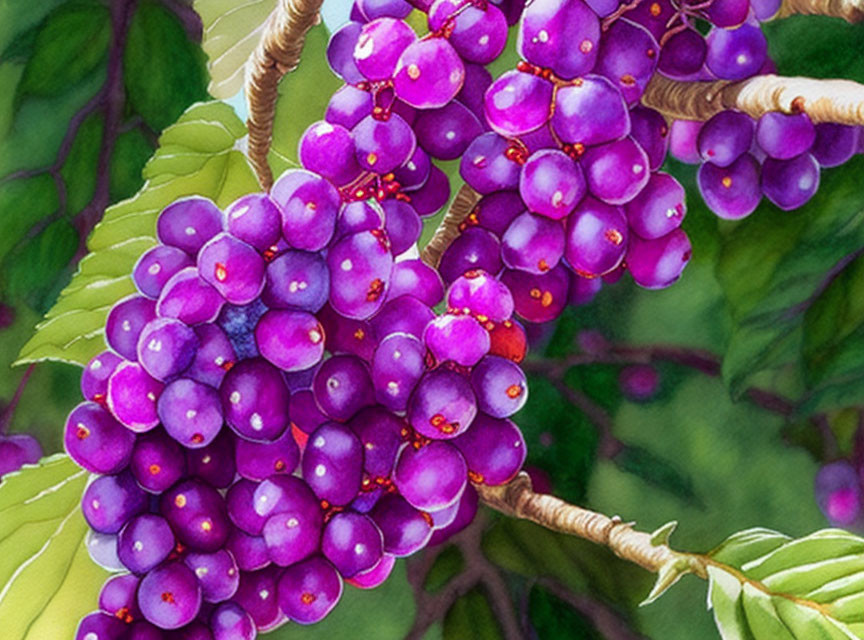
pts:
[639, 381]
[109, 501]
[230, 621]
[512, 9]
[628, 57]
[375, 576]
[683, 136]
[250, 552]
[383, 145]
[169, 596]
[616, 172]
[596, 238]
[732, 192]
[434, 194]
[838, 493]
[156, 266]
[538, 298]
[765, 10]
[309, 590]
[292, 340]
[342, 387]
[346, 335]
[683, 54]
[405, 529]
[188, 223]
[189, 299]
[442, 405]
[100, 626]
[96, 441]
[486, 167]
[217, 574]
[304, 412]
[360, 266]
[429, 73]
[659, 208]
[309, 206]
[214, 356]
[214, 463]
[790, 184]
[551, 184]
[157, 461]
[405, 314]
[349, 105]
[500, 386]
[380, 433]
[562, 35]
[458, 338]
[477, 81]
[416, 278]
[190, 412]
[726, 137]
[241, 507]
[258, 596]
[481, 294]
[415, 172]
[333, 463]
[445, 133]
[340, 52]
[656, 264]
[144, 543]
[475, 249]
[785, 136]
[397, 365]
[102, 549]
[735, 54]
[654, 16]
[255, 400]
[255, 220]
[477, 32]
[372, 9]
[94, 378]
[125, 322]
[518, 102]
[194, 631]
[352, 542]
[361, 215]
[835, 144]
[166, 347]
[650, 131]
[728, 13]
[133, 396]
[297, 280]
[403, 225]
[464, 516]
[379, 45]
[238, 323]
[328, 150]
[196, 512]
[443, 517]
[494, 450]
[233, 268]
[432, 477]
[590, 112]
[496, 211]
[117, 597]
[532, 243]
[257, 461]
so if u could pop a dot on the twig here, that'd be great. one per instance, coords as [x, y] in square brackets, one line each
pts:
[838, 101]
[448, 230]
[849, 10]
[9, 411]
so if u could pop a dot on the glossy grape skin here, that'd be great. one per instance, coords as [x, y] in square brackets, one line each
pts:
[156, 266]
[835, 144]
[532, 243]
[649, 129]
[405, 529]
[683, 136]
[659, 208]
[100, 626]
[414, 174]
[473, 91]
[560, 34]
[517, 103]
[590, 112]
[170, 596]
[309, 590]
[94, 378]
[133, 396]
[375, 576]
[397, 366]
[596, 238]
[551, 184]
[445, 133]
[656, 264]
[383, 145]
[464, 516]
[432, 477]
[616, 172]
[340, 52]
[496, 211]
[240, 503]
[125, 322]
[429, 74]
[360, 266]
[485, 166]
[790, 184]
[110, 501]
[478, 33]
[628, 57]
[458, 338]
[188, 298]
[291, 340]
[349, 105]
[309, 206]
[255, 400]
[214, 463]
[380, 433]
[297, 280]
[342, 387]
[434, 194]
[96, 441]
[726, 137]
[494, 450]
[188, 223]
[166, 347]
[333, 463]
[217, 574]
[229, 621]
[475, 249]
[328, 150]
[538, 298]
[403, 225]
[190, 412]
[352, 543]
[735, 54]
[255, 220]
[258, 460]
[117, 596]
[785, 136]
[157, 461]
[144, 543]
[683, 54]
[732, 192]
[480, 293]
[197, 514]
[500, 386]
[416, 278]
[442, 405]
[379, 45]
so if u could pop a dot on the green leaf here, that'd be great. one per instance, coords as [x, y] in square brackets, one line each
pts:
[554, 619]
[232, 30]
[447, 565]
[18, 17]
[47, 580]
[383, 613]
[657, 471]
[471, 617]
[805, 589]
[24, 202]
[78, 171]
[196, 156]
[771, 285]
[131, 152]
[72, 42]
[303, 97]
[816, 47]
[163, 70]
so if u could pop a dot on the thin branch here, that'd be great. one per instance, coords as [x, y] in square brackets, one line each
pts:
[838, 101]
[9, 411]
[449, 230]
[848, 10]
[604, 618]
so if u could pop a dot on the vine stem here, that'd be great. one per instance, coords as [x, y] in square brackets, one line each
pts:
[848, 10]
[837, 101]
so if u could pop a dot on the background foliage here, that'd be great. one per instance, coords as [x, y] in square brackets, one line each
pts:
[774, 303]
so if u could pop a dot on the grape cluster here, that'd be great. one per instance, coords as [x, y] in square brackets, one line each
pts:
[779, 156]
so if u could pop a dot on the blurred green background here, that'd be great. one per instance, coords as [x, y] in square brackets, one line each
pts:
[755, 308]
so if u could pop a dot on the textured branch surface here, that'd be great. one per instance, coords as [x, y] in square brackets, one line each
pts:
[849, 10]
[518, 499]
[449, 230]
[277, 54]
[839, 101]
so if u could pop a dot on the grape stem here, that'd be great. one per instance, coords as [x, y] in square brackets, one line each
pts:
[837, 101]
[277, 54]
[849, 10]
[449, 230]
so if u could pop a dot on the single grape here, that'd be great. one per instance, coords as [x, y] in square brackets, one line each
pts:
[375, 576]
[230, 621]
[442, 405]
[166, 347]
[102, 549]
[125, 322]
[110, 501]
[405, 314]
[496, 211]
[304, 412]
[628, 57]
[429, 73]
[464, 516]
[352, 542]
[659, 208]
[735, 54]
[403, 225]
[480, 293]
[414, 277]
[379, 45]
[340, 53]
[233, 268]
[538, 298]
[477, 32]
[291, 340]
[188, 223]
[157, 461]
[683, 137]
[732, 192]
[838, 493]
[214, 356]
[728, 13]
[650, 131]
[309, 590]
[653, 15]
[190, 412]
[475, 249]
[493, 449]
[156, 266]
[117, 597]
[333, 463]
[458, 338]
[360, 215]
[500, 386]
[656, 264]
[349, 105]
[214, 463]
[551, 184]
[250, 552]
[132, 397]
[518, 102]
[372, 9]
[790, 184]
[835, 144]
[596, 238]
[257, 460]
[328, 150]
[383, 145]
[255, 400]
[309, 206]
[434, 194]
[405, 529]
[616, 172]
[96, 441]
[255, 220]
[445, 133]
[100, 626]
[360, 266]
[347, 335]
[414, 173]
[639, 382]
[486, 167]
[197, 514]
[683, 54]
[532, 243]
[342, 386]
[94, 378]
[144, 543]
[785, 136]
[397, 365]
[217, 573]
[169, 596]
[380, 433]
[189, 299]
[562, 35]
[590, 112]
[726, 137]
